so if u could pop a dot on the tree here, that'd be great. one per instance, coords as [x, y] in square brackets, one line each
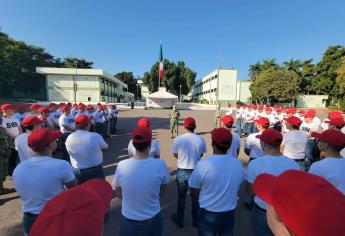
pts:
[72, 62]
[340, 82]
[254, 71]
[128, 78]
[308, 73]
[275, 85]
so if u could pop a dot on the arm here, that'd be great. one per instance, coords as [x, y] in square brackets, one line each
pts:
[282, 146]
[66, 127]
[71, 184]
[118, 192]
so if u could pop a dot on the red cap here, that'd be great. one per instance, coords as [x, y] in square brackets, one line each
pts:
[144, 122]
[75, 105]
[227, 120]
[32, 120]
[7, 107]
[301, 111]
[52, 104]
[275, 106]
[78, 211]
[310, 113]
[21, 107]
[278, 110]
[306, 203]
[189, 122]
[238, 105]
[290, 110]
[331, 136]
[270, 136]
[221, 137]
[82, 120]
[65, 108]
[81, 106]
[268, 109]
[261, 108]
[263, 121]
[42, 137]
[229, 105]
[249, 106]
[43, 110]
[142, 135]
[90, 107]
[101, 107]
[335, 114]
[295, 121]
[337, 122]
[34, 107]
[255, 107]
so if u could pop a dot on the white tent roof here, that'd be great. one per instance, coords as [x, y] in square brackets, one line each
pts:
[162, 94]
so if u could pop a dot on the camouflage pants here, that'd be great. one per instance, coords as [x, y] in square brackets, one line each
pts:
[174, 127]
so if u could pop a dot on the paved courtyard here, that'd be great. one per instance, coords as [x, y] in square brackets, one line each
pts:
[10, 205]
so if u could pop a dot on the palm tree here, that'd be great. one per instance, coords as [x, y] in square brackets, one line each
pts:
[294, 65]
[254, 71]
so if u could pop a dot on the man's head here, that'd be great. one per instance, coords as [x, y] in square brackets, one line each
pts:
[34, 108]
[7, 109]
[83, 122]
[21, 109]
[228, 121]
[279, 111]
[32, 123]
[189, 124]
[44, 112]
[42, 141]
[262, 123]
[336, 123]
[309, 115]
[300, 203]
[144, 122]
[270, 139]
[293, 122]
[221, 140]
[330, 141]
[141, 138]
[290, 112]
[90, 108]
[66, 109]
[268, 110]
[81, 107]
[52, 107]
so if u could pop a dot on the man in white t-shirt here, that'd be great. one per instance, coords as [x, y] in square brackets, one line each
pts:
[139, 182]
[273, 163]
[252, 145]
[41, 177]
[187, 149]
[112, 115]
[86, 151]
[67, 126]
[234, 149]
[20, 114]
[99, 119]
[294, 141]
[332, 164]
[229, 110]
[249, 120]
[45, 116]
[74, 110]
[155, 149]
[215, 182]
[239, 119]
[34, 109]
[55, 114]
[30, 123]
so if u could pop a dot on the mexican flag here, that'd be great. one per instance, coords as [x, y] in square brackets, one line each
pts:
[161, 68]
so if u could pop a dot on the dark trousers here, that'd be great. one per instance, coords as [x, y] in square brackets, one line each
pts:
[12, 161]
[312, 153]
[28, 221]
[249, 128]
[182, 177]
[239, 126]
[113, 122]
[83, 175]
[216, 223]
[100, 128]
[65, 155]
[259, 223]
[151, 227]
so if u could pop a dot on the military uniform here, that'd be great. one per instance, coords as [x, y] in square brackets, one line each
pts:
[217, 117]
[174, 115]
[6, 144]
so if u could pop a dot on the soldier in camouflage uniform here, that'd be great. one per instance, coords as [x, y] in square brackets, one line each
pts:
[6, 144]
[174, 116]
[217, 117]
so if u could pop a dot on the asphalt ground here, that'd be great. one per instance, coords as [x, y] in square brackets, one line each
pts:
[10, 204]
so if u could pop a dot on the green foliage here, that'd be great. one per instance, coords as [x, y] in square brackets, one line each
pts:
[175, 75]
[340, 80]
[128, 78]
[254, 70]
[72, 62]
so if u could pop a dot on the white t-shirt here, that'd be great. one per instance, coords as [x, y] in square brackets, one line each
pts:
[295, 142]
[112, 113]
[317, 121]
[98, 117]
[20, 117]
[228, 111]
[140, 181]
[332, 169]
[219, 178]
[254, 145]
[48, 123]
[235, 145]
[250, 116]
[342, 152]
[68, 121]
[85, 149]
[21, 145]
[39, 179]
[54, 116]
[238, 113]
[155, 149]
[274, 165]
[74, 112]
[309, 128]
[189, 148]
[11, 124]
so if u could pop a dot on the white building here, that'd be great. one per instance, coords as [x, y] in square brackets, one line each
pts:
[222, 87]
[82, 85]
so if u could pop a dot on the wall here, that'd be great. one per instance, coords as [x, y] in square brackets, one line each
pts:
[312, 101]
[243, 92]
[227, 85]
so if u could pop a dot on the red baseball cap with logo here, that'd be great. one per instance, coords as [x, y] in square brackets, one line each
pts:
[263, 121]
[42, 137]
[32, 120]
[295, 121]
[306, 203]
[34, 107]
[78, 211]
[144, 122]
[142, 135]
[43, 110]
[310, 113]
[270, 136]
[7, 107]
[227, 120]
[82, 120]
[337, 122]
[221, 137]
[189, 122]
[331, 136]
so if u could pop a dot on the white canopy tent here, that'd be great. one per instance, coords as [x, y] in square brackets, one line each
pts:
[161, 99]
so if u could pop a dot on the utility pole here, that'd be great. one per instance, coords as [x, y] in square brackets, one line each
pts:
[74, 81]
[180, 93]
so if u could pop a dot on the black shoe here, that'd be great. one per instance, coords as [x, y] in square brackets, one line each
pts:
[177, 222]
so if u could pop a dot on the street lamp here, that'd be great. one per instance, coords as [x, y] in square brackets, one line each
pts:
[137, 90]
[180, 93]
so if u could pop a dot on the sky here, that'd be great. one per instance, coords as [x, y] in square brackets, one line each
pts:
[124, 35]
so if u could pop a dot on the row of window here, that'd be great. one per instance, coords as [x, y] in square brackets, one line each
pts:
[206, 92]
[206, 81]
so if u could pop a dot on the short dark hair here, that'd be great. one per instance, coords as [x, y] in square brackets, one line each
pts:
[273, 146]
[335, 148]
[30, 127]
[221, 148]
[82, 127]
[295, 126]
[229, 126]
[140, 147]
[190, 128]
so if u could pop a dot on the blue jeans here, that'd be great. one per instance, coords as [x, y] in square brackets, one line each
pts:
[259, 223]
[216, 223]
[239, 126]
[65, 155]
[100, 128]
[83, 175]
[28, 221]
[151, 227]
[182, 177]
[309, 152]
[249, 128]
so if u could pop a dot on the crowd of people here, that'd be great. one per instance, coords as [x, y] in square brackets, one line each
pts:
[295, 175]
